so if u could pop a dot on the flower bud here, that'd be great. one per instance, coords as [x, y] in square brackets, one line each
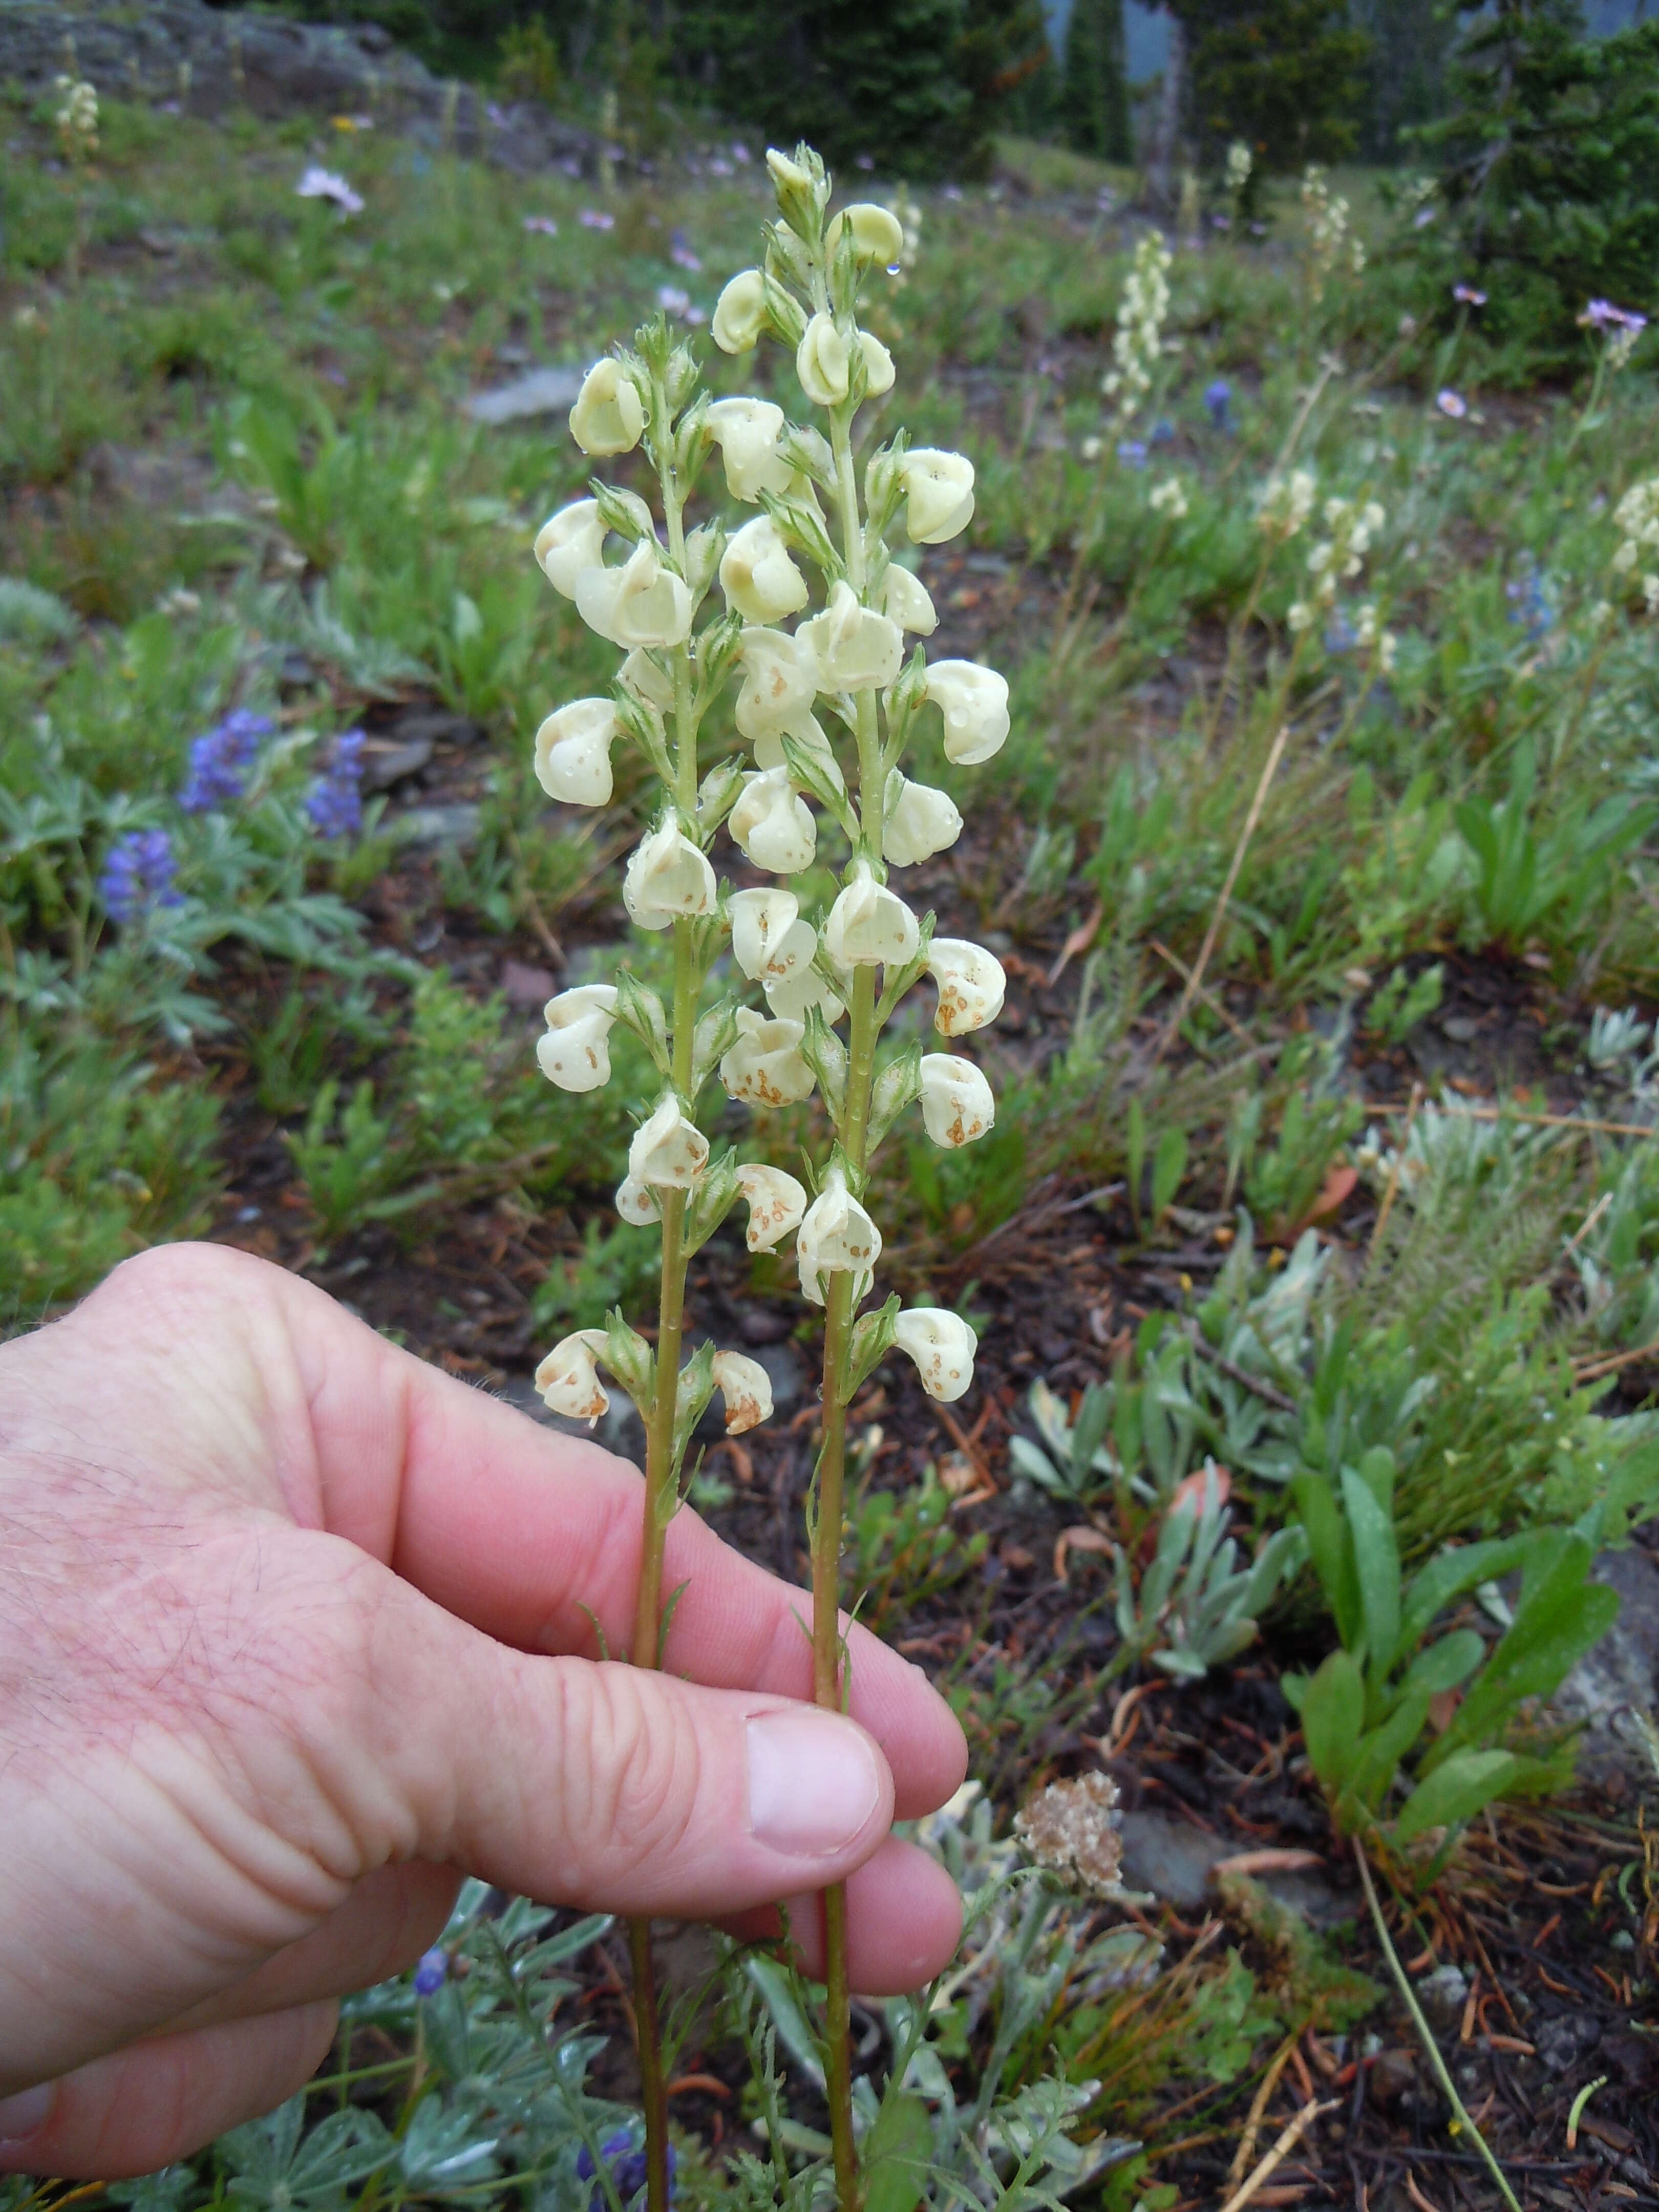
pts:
[879, 370]
[668, 1152]
[568, 1379]
[940, 486]
[643, 679]
[869, 926]
[787, 175]
[740, 313]
[853, 649]
[575, 1053]
[943, 1346]
[573, 753]
[760, 580]
[608, 416]
[973, 702]
[570, 541]
[957, 1105]
[779, 681]
[764, 1068]
[667, 877]
[837, 1236]
[772, 826]
[636, 1203]
[747, 431]
[877, 233]
[747, 1390]
[640, 603]
[971, 984]
[776, 1202]
[760, 921]
[904, 600]
[822, 363]
[920, 822]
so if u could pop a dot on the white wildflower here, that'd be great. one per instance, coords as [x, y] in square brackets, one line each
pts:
[572, 753]
[957, 1104]
[943, 1346]
[575, 1052]
[668, 1152]
[667, 876]
[568, 1378]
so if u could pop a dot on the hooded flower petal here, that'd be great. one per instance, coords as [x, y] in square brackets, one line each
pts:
[956, 1104]
[747, 1390]
[764, 1068]
[646, 681]
[878, 235]
[668, 1152]
[879, 370]
[776, 1202]
[568, 1379]
[773, 828]
[641, 604]
[575, 1052]
[904, 600]
[837, 1236]
[759, 921]
[973, 702]
[869, 926]
[780, 681]
[636, 1203]
[791, 997]
[852, 648]
[939, 487]
[920, 822]
[609, 414]
[747, 431]
[666, 878]
[760, 580]
[943, 1346]
[740, 313]
[568, 542]
[822, 363]
[971, 984]
[573, 753]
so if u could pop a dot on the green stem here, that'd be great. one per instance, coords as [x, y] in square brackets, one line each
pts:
[1461, 2123]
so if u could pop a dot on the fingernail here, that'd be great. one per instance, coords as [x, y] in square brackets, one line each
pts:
[25, 2114]
[813, 1782]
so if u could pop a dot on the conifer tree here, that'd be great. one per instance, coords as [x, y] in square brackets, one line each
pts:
[1285, 76]
[1094, 88]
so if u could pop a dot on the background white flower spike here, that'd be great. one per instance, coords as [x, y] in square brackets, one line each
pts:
[668, 1152]
[568, 1378]
[940, 491]
[747, 1390]
[776, 1203]
[943, 1346]
[570, 541]
[667, 880]
[765, 1067]
[957, 1104]
[608, 416]
[775, 828]
[837, 1236]
[573, 753]
[971, 984]
[869, 926]
[575, 1052]
[974, 701]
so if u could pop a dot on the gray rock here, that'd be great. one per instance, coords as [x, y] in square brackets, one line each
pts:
[457, 825]
[1443, 1993]
[1172, 1858]
[1619, 1678]
[542, 391]
[386, 765]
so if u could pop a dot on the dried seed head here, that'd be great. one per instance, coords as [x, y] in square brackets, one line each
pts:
[1069, 1828]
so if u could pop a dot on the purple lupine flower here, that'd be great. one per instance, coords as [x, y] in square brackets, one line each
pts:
[625, 2162]
[1163, 432]
[220, 761]
[1529, 604]
[431, 1973]
[335, 802]
[137, 876]
[1217, 398]
[1132, 454]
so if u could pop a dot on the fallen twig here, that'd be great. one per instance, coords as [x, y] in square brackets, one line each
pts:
[1287, 2142]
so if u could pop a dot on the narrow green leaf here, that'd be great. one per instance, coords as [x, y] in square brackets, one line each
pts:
[1333, 1716]
[1377, 1565]
[896, 2152]
[1456, 1792]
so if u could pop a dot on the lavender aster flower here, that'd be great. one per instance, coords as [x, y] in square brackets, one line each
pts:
[1132, 452]
[1529, 605]
[431, 1973]
[220, 761]
[335, 804]
[625, 2163]
[1219, 398]
[137, 876]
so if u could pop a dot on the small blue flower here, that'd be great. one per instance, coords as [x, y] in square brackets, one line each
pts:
[335, 802]
[1529, 605]
[431, 1973]
[221, 759]
[1219, 398]
[1163, 432]
[137, 875]
[1340, 636]
[1132, 454]
[625, 2161]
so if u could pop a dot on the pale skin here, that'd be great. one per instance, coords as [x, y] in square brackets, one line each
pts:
[292, 1637]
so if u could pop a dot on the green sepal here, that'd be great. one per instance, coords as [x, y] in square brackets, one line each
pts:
[718, 644]
[720, 793]
[630, 1359]
[803, 527]
[703, 549]
[826, 1055]
[785, 315]
[710, 1201]
[692, 1392]
[640, 1010]
[807, 451]
[817, 773]
[883, 485]
[645, 726]
[624, 511]
[871, 1342]
[714, 1037]
[898, 1085]
[902, 698]
[901, 980]
[680, 373]
[692, 443]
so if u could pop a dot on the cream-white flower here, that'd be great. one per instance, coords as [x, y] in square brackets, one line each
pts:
[760, 580]
[644, 603]
[920, 822]
[791, 997]
[568, 1378]
[869, 926]
[740, 312]
[609, 414]
[570, 541]
[1169, 498]
[939, 488]
[943, 1346]
[747, 431]
[776, 1202]
[647, 680]
[806, 731]
[779, 681]
[773, 827]
[747, 1390]
[761, 921]
[636, 1202]
[956, 1104]
[821, 363]
[764, 1068]
[837, 1236]
[666, 878]
[575, 1053]
[572, 753]
[668, 1152]
[784, 172]
[904, 600]
[879, 370]
[971, 984]
[853, 649]
[973, 702]
[878, 235]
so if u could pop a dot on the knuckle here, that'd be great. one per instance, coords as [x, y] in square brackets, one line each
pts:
[630, 1769]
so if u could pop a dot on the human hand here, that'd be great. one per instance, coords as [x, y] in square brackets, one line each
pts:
[287, 1627]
